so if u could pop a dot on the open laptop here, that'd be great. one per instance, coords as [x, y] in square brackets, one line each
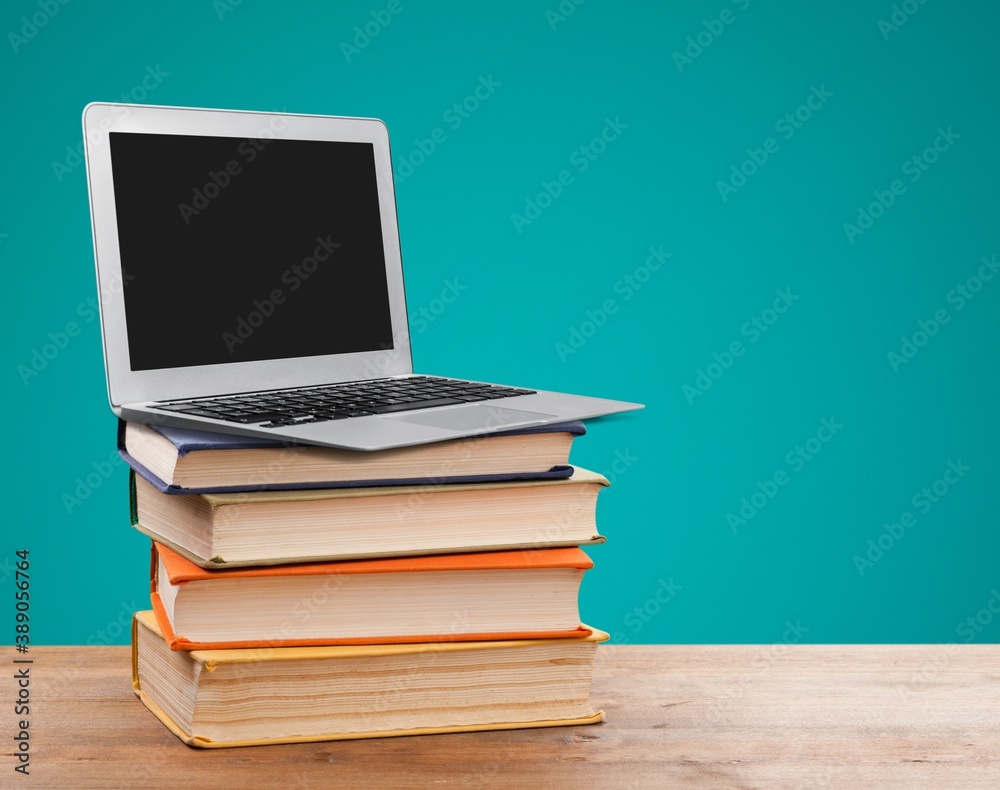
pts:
[250, 281]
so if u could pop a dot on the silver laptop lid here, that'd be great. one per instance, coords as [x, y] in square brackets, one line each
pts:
[239, 251]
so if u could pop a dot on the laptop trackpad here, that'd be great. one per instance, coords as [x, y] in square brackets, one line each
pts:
[471, 417]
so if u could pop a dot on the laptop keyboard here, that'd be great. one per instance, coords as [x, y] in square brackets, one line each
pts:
[341, 401]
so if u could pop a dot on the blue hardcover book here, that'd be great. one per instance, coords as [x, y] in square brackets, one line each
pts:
[182, 461]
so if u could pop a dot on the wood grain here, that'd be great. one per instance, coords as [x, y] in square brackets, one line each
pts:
[924, 716]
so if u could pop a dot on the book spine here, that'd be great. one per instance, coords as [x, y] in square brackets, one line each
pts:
[133, 502]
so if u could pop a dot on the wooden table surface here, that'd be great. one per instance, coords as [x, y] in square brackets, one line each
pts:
[686, 716]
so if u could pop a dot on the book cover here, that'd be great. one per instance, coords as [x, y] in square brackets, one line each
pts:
[187, 441]
[571, 524]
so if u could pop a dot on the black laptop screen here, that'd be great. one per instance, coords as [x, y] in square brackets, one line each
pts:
[236, 250]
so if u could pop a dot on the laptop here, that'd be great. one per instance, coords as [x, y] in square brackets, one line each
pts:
[250, 281]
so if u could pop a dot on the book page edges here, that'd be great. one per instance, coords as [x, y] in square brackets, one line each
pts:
[177, 642]
[218, 562]
[580, 477]
[205, 743]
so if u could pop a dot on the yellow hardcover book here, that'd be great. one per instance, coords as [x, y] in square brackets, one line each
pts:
[250, 697]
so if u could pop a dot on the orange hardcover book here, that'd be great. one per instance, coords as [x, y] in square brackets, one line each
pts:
[529, 594]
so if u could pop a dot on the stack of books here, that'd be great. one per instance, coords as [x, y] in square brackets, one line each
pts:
[307, 593]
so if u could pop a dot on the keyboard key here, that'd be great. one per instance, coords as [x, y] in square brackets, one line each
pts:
[204, 413]
[263, 417]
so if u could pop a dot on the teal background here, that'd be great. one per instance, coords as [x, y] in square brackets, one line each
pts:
[790, 573]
